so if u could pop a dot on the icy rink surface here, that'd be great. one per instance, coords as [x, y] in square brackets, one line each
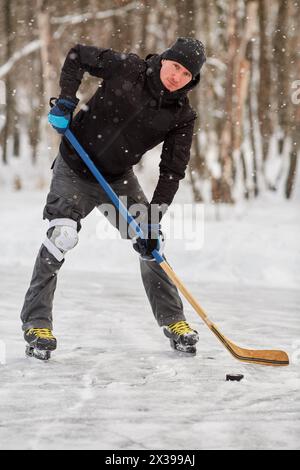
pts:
[114, 383]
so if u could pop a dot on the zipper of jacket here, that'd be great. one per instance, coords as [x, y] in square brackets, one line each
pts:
[161, 95]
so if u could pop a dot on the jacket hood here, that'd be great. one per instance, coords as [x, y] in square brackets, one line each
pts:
[157, 88]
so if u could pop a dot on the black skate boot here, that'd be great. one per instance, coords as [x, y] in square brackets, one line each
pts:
[40, 343]
[182, 338]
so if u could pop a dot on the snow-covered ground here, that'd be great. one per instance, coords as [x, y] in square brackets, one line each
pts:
[114, 383]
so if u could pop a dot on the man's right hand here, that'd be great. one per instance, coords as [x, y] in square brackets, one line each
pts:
[60, 115]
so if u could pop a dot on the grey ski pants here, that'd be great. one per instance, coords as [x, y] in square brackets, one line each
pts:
[72, 197]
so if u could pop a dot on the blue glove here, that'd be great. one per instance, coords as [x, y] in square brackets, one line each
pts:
[60, 115]
[154, 240]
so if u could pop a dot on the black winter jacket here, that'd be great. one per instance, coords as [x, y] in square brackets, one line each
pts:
[130, 113]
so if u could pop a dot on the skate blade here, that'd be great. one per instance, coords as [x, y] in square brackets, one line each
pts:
[38, 353]
[183, 350]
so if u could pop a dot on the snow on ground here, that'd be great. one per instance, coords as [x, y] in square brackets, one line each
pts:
[114, 383]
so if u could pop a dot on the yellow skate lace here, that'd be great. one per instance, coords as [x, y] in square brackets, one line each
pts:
[180, 328]
[43, 333]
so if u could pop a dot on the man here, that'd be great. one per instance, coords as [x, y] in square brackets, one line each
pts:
[139, 104]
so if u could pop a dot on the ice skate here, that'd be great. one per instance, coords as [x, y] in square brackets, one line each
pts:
[182, 337]
[40, 343]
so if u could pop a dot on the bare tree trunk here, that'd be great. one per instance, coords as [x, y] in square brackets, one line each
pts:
[290, 182]
[250, 118]
[129, 33]
[144, 33]
[223, 187]
[252, 124]
[186, 26]
[282, 63]
[186, 17]
[122, 29]
[117, 35]
[49, 60]
[95, 27]
[245, 176]
[37, 106]
[196, 191]
[9, 110]
[237, 87]
[242, 80]
[294, 105]
[49, 54]
[264, 92]
[242, 73]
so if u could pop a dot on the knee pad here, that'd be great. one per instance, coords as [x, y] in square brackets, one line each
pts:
[63, 238]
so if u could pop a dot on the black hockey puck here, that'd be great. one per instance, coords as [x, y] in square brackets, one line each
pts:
[234, 377]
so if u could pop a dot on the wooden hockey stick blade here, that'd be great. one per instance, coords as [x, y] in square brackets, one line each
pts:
[253, 356]
[266, 358]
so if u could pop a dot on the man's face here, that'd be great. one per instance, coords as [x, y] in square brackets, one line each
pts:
[173, 75]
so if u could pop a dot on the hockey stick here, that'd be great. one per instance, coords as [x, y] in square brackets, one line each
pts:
[267, 358]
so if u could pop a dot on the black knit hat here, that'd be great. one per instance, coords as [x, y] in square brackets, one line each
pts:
[188, 52]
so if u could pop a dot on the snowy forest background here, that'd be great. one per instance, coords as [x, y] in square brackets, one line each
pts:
[248, 131]
[114, 382]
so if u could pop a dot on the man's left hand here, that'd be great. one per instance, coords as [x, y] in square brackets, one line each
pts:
[154, 240]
